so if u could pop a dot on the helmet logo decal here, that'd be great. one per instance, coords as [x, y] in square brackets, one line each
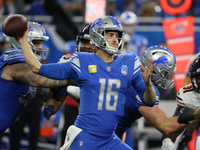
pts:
[128, 16]
[30, 28]
[161, 60]
[124, 70]
[115, 21]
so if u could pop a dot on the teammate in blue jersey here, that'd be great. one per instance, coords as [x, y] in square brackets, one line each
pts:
[134, 42]
[103, 79]
[17, 82]
[165, 65]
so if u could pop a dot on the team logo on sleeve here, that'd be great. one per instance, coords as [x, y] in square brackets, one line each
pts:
[92, 68]
[124, 70]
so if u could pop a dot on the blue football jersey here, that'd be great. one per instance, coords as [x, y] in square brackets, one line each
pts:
[14, 95]
[131, 113]
[103, 87]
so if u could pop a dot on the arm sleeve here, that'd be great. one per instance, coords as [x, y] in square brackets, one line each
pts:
[59, 71]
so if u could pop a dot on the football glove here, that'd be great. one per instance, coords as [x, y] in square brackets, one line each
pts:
[186, 114]
[167, 144]
[48, 111]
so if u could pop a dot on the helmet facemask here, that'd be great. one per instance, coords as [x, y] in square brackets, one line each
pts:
[164, 80]
[40, 52]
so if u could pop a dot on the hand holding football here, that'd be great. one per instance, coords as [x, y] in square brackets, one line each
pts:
[14, 25]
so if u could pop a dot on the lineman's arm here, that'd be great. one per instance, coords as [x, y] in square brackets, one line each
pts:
[29, 56]
[157, 117]
[21, 72]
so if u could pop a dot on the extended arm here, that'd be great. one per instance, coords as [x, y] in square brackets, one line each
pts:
[28, 53]
[150, 93]
[157, 117]
[21, 72]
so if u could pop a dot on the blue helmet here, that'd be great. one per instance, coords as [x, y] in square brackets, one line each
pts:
[165, 64]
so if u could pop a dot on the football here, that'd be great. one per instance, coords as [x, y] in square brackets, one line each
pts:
[14, 25]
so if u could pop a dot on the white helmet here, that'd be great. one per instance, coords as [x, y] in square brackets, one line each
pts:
[128, 18]
[36, 32]
[165, 64]
[97, 31]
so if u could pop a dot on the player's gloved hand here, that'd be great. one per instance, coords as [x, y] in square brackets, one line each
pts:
[167, 144]
[48, 111]
[186, 114]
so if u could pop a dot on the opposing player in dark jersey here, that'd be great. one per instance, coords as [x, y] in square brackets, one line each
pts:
[186, 97]
[17, 82]
[103, 79]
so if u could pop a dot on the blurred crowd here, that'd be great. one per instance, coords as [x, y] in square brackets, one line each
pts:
[142, 8]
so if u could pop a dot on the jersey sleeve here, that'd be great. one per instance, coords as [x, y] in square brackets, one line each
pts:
[71, 69]
[58, 71]
[179, 99]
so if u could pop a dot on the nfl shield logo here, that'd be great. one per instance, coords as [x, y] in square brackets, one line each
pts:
[80, 143]
[124, 69]
[108, 68]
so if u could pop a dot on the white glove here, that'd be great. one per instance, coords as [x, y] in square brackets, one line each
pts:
[74, 92]
[167, 144]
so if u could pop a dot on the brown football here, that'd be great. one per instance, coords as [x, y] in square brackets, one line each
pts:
[14, 25]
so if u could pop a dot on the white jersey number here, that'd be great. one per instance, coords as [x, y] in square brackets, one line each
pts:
[109, 93]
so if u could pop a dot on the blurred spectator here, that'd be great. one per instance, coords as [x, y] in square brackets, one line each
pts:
[6, 8]
[72, 7]
[37, 8]
[64, 25]
[148, 9]
[111, 8]
[134, 42]
[129, 5]
[4, 42]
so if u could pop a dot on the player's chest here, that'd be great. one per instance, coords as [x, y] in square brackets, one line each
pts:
[191, 98]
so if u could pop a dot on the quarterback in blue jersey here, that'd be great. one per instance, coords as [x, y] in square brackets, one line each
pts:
[18, 84]
[165, 65]
[103, 79]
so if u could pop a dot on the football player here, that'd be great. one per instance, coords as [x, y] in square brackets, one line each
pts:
[103, 79]
[186, 97]
[18, 84]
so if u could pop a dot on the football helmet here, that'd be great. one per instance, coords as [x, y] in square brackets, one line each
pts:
[128, 19]
[98, 29]
[194, 71]
[84, 36]
[36, 32]
[165, 65]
